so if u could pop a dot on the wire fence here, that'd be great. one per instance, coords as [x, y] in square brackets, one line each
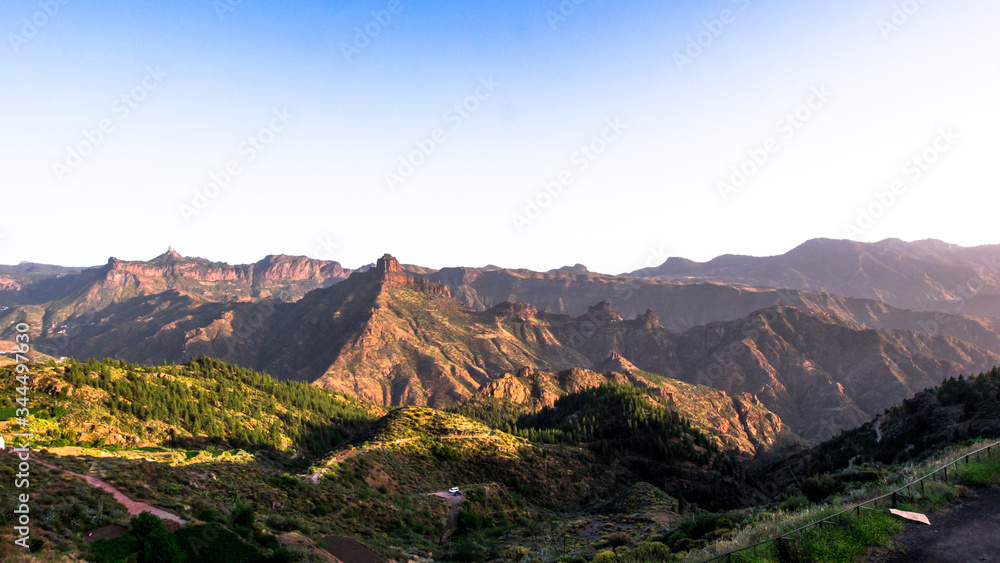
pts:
[892, 498]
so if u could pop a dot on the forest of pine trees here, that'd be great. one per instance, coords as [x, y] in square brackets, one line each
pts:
[613, 420]
[314, 419]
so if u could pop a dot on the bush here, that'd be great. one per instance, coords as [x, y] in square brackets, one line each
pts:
[818, 487]
[242, 519]
[468, 550]
[208, 515]
[284, 524]
[648, 552]
[153, 542]
[516, 553]
[618, 539]
[267, 541]
[793, 503]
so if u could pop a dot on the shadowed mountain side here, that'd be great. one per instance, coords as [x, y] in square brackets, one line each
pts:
[927, 275]
[816, 372]
[739, 422]
[685, 304]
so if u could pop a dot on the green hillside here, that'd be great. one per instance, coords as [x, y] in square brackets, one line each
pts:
[202, 403]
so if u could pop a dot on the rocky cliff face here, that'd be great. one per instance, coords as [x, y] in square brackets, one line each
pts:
[390, 275]
[273, 268]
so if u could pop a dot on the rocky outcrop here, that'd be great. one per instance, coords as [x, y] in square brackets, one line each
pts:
[507, 388]
[616, 363]
[510, 311]
[390, 275]
[277, 268]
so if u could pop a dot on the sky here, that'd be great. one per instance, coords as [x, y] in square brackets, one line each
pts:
[522, 134]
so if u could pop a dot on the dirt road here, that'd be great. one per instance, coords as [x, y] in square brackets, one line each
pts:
[134, 508]
[967, 532]
[453, 514]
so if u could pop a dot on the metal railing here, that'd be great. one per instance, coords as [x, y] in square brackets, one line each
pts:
[892, 496]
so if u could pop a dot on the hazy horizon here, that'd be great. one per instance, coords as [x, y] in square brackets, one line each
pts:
[607, 134]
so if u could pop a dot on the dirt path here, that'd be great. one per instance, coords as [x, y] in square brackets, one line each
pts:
[351, 453]
[453, 514]
[967, 532]
[337, 459]
[134, 508]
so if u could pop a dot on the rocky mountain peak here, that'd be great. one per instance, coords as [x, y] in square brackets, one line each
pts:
[390, 274]
[650, 318]
[602, 312]
[616, 363]
[575, 269]
[387, 267]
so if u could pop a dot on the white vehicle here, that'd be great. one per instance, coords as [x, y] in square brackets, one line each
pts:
[454, 491]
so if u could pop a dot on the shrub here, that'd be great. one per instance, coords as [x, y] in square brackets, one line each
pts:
[618, 539]
[818, 487]
[516, 553]
[648, 552]
[794, 503]
[284, 524]
[154, 543]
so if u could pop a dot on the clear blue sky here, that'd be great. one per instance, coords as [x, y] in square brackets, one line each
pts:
[336, 94]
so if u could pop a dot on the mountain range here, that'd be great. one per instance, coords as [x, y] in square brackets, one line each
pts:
[768, 328]
[581, 413]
